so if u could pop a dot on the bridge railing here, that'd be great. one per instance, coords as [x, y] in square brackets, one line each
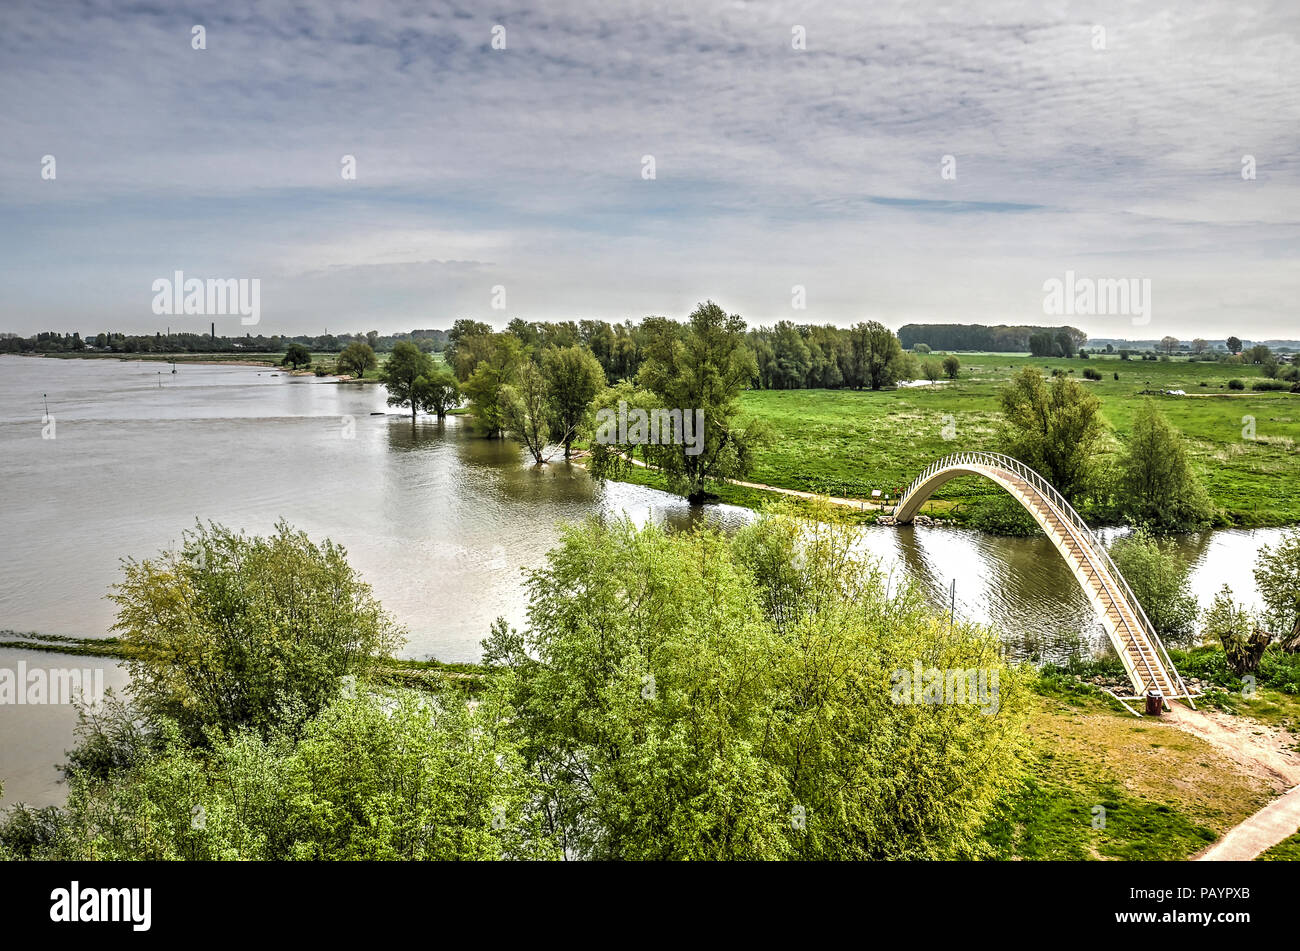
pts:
[998, 460]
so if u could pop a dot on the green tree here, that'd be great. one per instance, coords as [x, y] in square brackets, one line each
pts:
[877, 356]
[951, 366]
[1052, 427]
[499, 358]
[932, 369]
[524, 409]
[687, 695]
[238, 632]
[1277, 573]
[1156, 483]
[296, 356]
[357, 358]
[1159, 579]
[1235, 627]
[574, 379]
[401, 373]
[437, 392]
[701, 372]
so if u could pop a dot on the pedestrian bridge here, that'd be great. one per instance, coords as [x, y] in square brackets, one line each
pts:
[1139, 647]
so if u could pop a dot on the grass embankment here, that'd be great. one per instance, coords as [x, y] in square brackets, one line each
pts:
[417, 674]
[846, 443]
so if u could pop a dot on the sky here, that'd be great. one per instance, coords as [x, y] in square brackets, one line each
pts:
[1106, 140]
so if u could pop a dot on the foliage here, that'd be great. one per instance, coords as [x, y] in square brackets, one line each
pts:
[380, 778]
[1157, 485]
[1277, 573]
[1160, 581]
[574, 378]
[702, 369]
[235, 631]
[357, 358]
[296, 356]
[402, 372]
[1053, 428]
[690, 696]
[951, 366]
[499, 358]
[524, 410]
[1233, 626]
[437, 392]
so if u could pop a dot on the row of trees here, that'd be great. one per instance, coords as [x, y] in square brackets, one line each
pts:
[866, 356]
[999, 339]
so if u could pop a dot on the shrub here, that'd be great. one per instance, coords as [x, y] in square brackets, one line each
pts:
[1270, 385]
[1092, 374]
[1236, 385]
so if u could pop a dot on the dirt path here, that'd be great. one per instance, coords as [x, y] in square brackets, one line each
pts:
[1259, 750]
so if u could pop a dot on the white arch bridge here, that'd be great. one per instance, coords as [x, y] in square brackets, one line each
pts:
[1139, 647]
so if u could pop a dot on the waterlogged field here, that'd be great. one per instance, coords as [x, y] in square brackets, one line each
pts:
[847, 443]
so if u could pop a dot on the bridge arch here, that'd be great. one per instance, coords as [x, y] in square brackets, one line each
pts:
[1139, 647]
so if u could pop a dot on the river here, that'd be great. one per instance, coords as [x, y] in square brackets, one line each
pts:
[442, 522]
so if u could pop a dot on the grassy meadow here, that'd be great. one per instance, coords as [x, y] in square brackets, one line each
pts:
[847, 443]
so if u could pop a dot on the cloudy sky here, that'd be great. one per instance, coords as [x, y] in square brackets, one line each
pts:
[773, 166]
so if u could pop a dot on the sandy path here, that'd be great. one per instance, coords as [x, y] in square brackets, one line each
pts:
[1261, 751]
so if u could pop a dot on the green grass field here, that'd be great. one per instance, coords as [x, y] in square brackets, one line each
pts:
[847, 443]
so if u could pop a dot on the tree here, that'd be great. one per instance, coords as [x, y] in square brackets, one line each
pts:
[685, 695]
[1234, 344]
[699, 372]
[437, 392]
[951, 366]
[1158, 486]
[357, 358]
[1257, 354]
[932, 369]
[237, 632]
[1200, 345]
[574, 379]
[1053, 428]
[1234, 627]
[379, 777]
[296, 356]
[1160, 582]
[877, 359]
[1277, 573]
[499, 358]
[401, 374]
[525, 411]
[1169, 344]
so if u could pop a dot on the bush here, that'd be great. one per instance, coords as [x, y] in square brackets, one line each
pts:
[688, 691]
[1270, 385]
[236, 632]
[1003, 515]
[1236, 385]
[1092, 374]
[1160, 581]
